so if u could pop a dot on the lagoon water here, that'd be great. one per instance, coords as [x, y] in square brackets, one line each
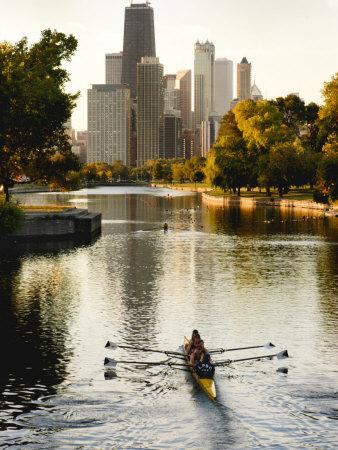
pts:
[241, 276]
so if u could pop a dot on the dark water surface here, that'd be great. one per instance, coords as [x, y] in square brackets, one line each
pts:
[241, 276]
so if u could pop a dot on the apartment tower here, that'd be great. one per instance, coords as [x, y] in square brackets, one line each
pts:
[139, 41]
[150, 108]
[108, 123]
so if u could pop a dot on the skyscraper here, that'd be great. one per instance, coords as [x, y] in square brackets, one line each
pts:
[171, 136]
[150, 106]
[113, 68]
[204, 93]
[108, 123]
[139, 41]
[183, 83]
[243, 80]
[223, 85]
[171, 95]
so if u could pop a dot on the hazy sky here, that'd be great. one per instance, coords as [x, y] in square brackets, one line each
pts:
[292, 44]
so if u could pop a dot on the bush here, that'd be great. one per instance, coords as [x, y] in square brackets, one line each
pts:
[11, 217]
[320, 197]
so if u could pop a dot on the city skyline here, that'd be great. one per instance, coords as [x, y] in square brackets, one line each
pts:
[308, 51]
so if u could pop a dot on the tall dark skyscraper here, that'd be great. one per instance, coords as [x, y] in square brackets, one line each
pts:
[139, 41]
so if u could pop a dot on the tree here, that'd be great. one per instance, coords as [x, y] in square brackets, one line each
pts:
[293, 110]
[34, 105]
[178, 172]
[261, 124]
[229, 159]
[119, 171]
[97, 172]
[328, 170]
[283, 165]
[194, 165]
[328, 113]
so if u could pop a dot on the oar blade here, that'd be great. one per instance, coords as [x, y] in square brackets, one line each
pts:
[111, 345]
[110, 363]
[282, 355]
[269, 345]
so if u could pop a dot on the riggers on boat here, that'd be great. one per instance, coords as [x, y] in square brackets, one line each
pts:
[206, 384]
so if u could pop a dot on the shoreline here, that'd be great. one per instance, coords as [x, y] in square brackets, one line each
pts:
[223, 201]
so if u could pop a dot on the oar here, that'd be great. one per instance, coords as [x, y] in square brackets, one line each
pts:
[281, 355]
[112, 363]
[113, 346]
[222, 350]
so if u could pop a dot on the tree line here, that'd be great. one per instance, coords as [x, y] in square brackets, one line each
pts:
[278, 144]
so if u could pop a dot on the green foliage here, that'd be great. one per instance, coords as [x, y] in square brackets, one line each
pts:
[261, 124]
[179, 173]
[327, 174]
[283, 166]
[34, 104]
[293, 110]
[11, 216]
[97, 172]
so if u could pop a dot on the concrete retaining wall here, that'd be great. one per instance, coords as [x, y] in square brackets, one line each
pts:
[224, 200]
[71, 222]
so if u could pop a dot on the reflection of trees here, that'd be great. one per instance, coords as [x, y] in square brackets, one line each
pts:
[327, 275]
[35, 310]
[249, 220]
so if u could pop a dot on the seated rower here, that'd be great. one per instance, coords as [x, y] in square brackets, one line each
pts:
[205, 367]
[198, 352]
[190, 347]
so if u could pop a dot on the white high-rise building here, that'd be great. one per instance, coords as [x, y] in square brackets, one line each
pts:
[204, 92]
[223, 85]
[108, 123]
[113, 68]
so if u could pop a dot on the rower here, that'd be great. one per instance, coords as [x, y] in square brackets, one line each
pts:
[191, 344]
[194, 344]
[198, 352]
[205, 368]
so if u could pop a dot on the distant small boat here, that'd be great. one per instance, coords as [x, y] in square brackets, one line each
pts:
[206, 384]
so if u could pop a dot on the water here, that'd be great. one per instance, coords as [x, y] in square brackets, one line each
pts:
[241, 276]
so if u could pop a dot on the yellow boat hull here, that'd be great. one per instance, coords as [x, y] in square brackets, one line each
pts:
[206, 384]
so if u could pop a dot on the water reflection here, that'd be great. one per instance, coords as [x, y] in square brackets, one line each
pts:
[241, 276]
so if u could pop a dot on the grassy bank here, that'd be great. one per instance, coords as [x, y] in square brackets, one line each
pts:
[293, 194]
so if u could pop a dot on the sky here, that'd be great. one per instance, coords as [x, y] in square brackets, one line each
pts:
[292, 44]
